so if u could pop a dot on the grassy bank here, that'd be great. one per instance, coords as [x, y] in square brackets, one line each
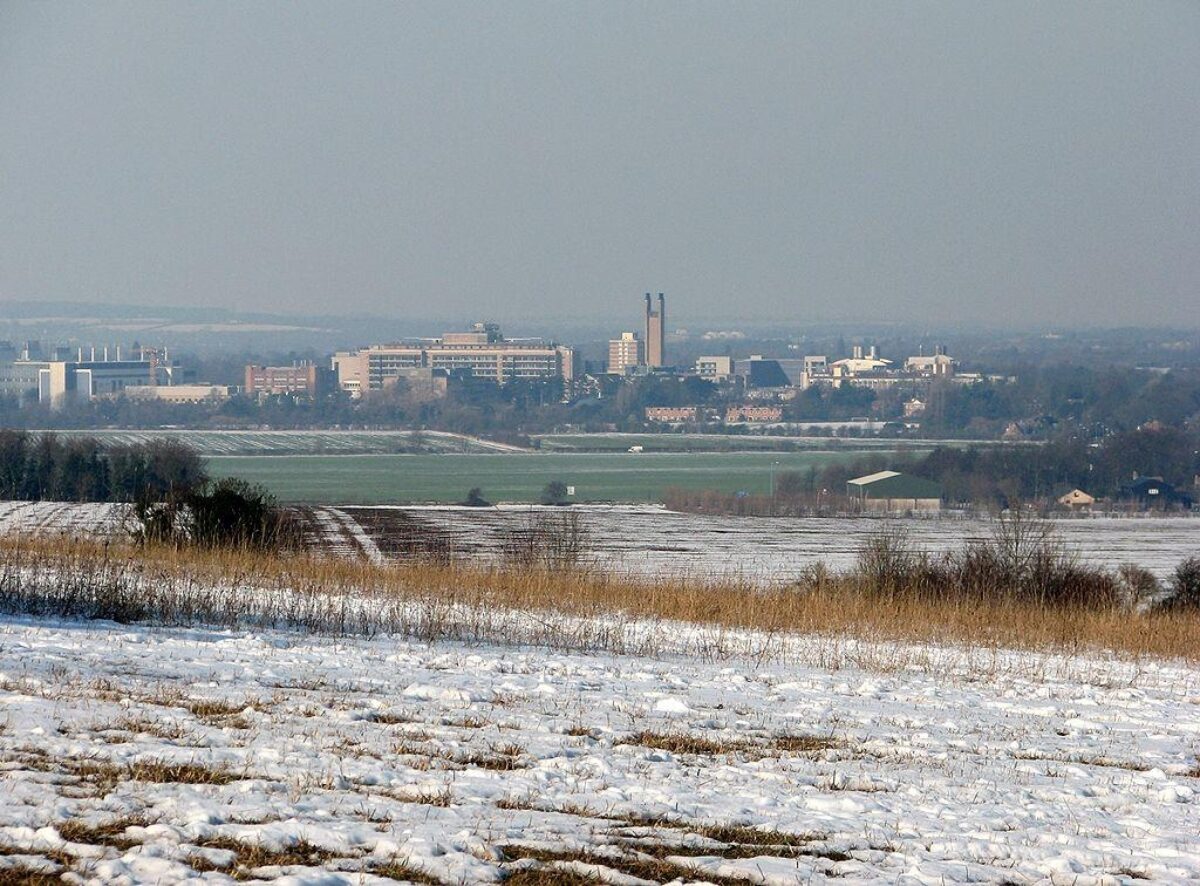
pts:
[568, 609]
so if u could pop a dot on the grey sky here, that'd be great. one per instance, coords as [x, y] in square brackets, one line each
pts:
[1009, 163]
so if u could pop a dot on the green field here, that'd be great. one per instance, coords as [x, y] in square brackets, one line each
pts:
[628, 477]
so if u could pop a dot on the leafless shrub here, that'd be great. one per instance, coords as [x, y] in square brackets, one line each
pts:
[1024, 560]
[1137, 585]
[887, 562]
[1185, 586]
[558, 540]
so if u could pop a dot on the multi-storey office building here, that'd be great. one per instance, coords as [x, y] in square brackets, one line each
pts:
[481, 353]
[625, 353]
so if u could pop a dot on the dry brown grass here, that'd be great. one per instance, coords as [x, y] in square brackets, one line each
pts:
[687, 743]
[217, 711]
[640, 865]
[430, 601]
[249, 856]
[108, 833]
[498, 758]
[400, 870]
[103, 776]
[166, 730]
[1083, 760]
[24, 875]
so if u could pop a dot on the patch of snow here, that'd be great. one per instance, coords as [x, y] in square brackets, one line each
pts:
[445, 755]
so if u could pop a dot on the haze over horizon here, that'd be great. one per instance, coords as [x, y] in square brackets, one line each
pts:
[954, 163]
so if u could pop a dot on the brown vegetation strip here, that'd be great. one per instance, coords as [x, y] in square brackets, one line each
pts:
[656, 870]
[109, 833]
[249, 856]
[22, 875]
[686, 743]
[828, 605]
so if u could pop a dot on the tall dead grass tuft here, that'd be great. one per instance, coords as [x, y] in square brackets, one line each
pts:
[560, 608]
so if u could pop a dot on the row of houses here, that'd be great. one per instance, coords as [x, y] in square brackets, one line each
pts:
[741, 414]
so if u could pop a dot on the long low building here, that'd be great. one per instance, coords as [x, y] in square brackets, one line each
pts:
[197, 393]
[893, 491]
[482, 353]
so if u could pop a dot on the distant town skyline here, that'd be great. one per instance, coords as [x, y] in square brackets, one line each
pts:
[1006, 165]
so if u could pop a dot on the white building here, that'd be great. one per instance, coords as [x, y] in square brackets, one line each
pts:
[626, 353]
[714, 368]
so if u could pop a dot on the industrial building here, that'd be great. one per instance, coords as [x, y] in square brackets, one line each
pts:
[888, 491]
[60, 382]
[865, 368]
[760, 372]
[625, 354]
[481, 353]
[305, 380]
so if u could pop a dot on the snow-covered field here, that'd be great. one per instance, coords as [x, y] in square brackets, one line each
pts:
[143, 754]
[648, 539]
[91, 519]
[302, 442]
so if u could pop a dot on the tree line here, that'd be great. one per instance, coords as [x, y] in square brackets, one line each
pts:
[173, 499]
[48, 467]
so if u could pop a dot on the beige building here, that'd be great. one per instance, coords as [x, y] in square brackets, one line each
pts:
[179, 393]
[1077, 499]
[480, 353]
[656, 332]
[714, 368]
[625, 353]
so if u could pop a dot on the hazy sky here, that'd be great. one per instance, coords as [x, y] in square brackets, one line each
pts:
[951, 163]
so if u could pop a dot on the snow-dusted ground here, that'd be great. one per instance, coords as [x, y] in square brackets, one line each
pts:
[648, 539]
[300, 442]
[934, 766]
[55, 517]
[651, 539]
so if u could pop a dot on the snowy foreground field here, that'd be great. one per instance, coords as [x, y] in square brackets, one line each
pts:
[158, 755]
